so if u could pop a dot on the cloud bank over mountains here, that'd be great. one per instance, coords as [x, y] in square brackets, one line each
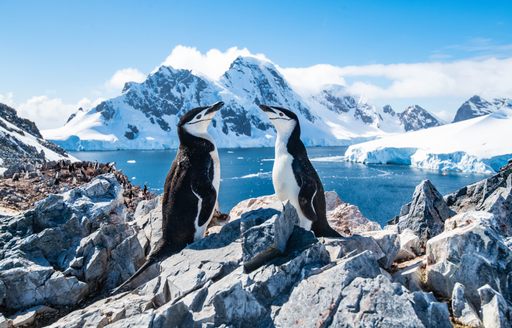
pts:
[436, 85]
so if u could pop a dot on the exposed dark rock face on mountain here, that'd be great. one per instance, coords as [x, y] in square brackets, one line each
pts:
[154, 106]
[416, 118]
[476, 106]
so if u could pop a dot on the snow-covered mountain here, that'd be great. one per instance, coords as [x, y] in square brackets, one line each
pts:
[482, 144]
[416, 118]
[144, 116]
[477, 106]
[22, 143]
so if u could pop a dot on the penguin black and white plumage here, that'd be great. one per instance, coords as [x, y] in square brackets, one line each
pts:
[294, 177]
[191, 187]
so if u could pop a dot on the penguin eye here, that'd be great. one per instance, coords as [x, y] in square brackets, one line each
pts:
[198, 116]
[280, 114]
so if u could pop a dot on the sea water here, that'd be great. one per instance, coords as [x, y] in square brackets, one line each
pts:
[378, 190]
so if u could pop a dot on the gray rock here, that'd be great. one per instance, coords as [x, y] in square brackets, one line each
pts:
[66, 247]
[493, 195]
[433, 314]
[410, 276]
[425, 214]
[262, 241]
[368, 302]
[388, 242]
[463, 312]
[495, 310]
[473, 255]
[350, 246]
[4, 323]
[314, 301]
[410, 246]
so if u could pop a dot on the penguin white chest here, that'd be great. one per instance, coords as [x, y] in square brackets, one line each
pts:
[216, 170]
[283, 179]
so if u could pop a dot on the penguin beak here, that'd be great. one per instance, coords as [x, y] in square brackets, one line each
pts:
[266, 109]
[215, 107]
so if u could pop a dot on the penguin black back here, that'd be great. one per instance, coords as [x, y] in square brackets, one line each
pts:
[190, 190]
[311, 196]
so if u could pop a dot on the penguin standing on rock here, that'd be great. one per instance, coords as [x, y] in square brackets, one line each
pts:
[191, 187]
[293, 176]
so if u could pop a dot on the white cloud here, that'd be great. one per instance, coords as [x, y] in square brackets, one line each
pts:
[489, 77]
[46, 112]
[120, 77]
[7, 99]
[211, 64]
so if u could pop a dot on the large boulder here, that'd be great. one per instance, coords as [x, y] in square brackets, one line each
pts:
[264, 238]
[343, 217]
[474, 255]
[67, 247]
[425, 214]
[463, 312]
[493, 195]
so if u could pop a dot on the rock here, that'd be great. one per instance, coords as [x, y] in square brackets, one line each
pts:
[28, 317]
[350, 246]
[425, 214]
[347, 219]
[67, 246]
[410, 246]
[252, 204]
[463, 312]
[366, 301]
[433, 314]
[410, 274]
[493, 195]
[4, 323]
[473, 255]
[263, 241]
[314, 301]
[332, 200]
[469, 218]
[389, 244]
[495, 311]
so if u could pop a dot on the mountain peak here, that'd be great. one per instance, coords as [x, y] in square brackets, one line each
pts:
[473, 107]
[415, 117]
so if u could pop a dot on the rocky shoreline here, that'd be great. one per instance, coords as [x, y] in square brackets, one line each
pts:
[442, 262]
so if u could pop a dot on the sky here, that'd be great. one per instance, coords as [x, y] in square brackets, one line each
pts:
[59, 55]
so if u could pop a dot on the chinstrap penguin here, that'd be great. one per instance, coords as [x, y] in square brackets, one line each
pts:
[191, 187]
[293, 176]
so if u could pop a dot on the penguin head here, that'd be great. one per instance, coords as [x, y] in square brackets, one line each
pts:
[197, 120]
[284, 120]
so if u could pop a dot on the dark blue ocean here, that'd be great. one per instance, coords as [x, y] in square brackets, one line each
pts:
[378, 190]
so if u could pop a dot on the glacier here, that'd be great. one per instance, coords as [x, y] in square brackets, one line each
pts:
[478, 145]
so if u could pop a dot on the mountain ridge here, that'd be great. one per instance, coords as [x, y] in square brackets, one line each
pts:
[144, 116]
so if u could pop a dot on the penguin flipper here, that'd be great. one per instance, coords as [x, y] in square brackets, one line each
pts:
[307, 194]
[208, 196]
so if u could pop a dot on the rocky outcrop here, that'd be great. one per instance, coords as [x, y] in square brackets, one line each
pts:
[24, 185]
[259, 270]
[492, 195]
[69, 246]
[424, 215]
[469, 260]
[59, 260]
[343, 217]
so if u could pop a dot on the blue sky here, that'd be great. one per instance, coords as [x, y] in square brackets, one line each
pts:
[66, 50]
